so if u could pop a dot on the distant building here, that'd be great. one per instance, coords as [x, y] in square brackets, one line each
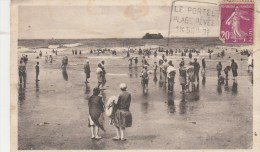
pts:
[153, 36]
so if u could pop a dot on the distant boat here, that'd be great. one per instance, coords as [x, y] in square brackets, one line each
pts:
[152, 36]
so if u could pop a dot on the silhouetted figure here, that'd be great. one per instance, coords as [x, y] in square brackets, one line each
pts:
[226, 70]
[183, 76]
[136, 61]
[219, 68]
[171, 71]
[22, 73]
[87, 71]
[196, 69]
[234, 68]
[37, 68]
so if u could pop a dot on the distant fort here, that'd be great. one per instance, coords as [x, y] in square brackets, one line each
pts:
[152, 36]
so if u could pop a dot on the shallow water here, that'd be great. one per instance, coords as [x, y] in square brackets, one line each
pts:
[214, 117]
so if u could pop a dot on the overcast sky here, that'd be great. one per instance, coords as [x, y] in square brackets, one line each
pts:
[91, 22]
[124, 21]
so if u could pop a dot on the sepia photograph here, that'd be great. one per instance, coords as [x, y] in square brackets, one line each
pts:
[157, 75]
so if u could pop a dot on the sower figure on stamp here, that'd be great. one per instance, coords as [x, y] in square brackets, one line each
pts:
[234, 20]
[87, 70]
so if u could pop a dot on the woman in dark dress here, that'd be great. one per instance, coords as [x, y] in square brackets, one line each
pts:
[122, 115]
[87, 70]
[96, 109]
[234, 68]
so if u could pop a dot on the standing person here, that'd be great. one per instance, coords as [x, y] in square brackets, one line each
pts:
[171, 71]
[155, 53]
[22, 72]
[25, 60]
[219, 68]
[163, 57]
[203, 71]
[144, 62]
[155, 67]
[234, 68]
[190, 55]
[183, 81]
[165, 66]
[145, 78]
[51, 58]
[100, 74]
[37, 68]
[40, 54]
[122, 115]
[64, 62]
[96, 117]
[104, 73]
[203, 63]
[46, 57]
[191, 77]
[161, 72]
[226, 70]
[130, 62]
[196, 69]
[249, 62]
[136, 61]
[87, 70]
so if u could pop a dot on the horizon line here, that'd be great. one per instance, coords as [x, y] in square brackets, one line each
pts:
[108, 38]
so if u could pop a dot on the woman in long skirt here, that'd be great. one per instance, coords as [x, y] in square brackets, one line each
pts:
[122, 115]
[96, 118]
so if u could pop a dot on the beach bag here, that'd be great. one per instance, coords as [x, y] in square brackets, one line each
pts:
[110, 105]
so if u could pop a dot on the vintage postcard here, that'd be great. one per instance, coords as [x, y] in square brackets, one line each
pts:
[135, 75]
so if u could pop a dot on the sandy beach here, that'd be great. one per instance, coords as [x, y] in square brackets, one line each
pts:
[52, 114]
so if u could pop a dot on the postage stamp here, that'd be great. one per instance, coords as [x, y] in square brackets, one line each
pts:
[237, 23]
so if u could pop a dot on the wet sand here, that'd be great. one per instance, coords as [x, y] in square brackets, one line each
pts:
[53, 112]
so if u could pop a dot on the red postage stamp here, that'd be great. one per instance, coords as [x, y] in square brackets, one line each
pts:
[237, 23]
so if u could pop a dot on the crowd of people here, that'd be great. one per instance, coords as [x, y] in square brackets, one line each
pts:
[121, 118]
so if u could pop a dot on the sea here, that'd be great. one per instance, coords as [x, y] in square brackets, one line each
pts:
[198, 43]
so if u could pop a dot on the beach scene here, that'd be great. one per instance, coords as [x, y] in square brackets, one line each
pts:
[53, 111]
[133, 76]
